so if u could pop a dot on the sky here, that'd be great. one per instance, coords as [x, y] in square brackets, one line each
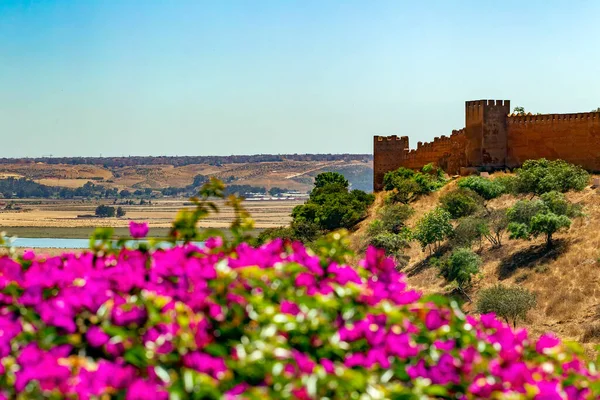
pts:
[177, 77]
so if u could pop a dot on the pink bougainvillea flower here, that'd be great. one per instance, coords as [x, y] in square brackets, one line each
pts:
[287, 307]
[546, 342]
[143, 390]
[236, 392]
[214, 242]
[96, 336]
[138, 230]
[304, 363]
[201, 362]
[141, 324]
[28, 255]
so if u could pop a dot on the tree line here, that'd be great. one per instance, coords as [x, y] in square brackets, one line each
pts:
[177, 161]
[23, 188]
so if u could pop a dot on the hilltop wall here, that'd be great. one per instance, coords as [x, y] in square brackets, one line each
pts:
[392, 152]
[493, 139]
[446, 152]
[574, 138]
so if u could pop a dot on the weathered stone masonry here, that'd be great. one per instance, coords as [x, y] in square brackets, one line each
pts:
[493, 138]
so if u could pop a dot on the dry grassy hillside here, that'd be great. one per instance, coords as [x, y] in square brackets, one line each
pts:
[566, 278]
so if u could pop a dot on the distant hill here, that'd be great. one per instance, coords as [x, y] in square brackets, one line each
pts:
[290, 171]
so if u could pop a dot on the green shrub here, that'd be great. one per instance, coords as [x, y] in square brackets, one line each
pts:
[541, 176]
[461, 202]
[460, 267]
[105, 211]
[433, 228]
[509, 303]
[331, 206]
[486, 188]
[510, 183]
[547, 224]
[496, 224]
[375, 228]
[394, 246]
[281, 232]
[404, 191]
[407, 185]
[546, 216]
[558, 204]
[468, 231]
[303, 231]
[394, 216]
[329, 178]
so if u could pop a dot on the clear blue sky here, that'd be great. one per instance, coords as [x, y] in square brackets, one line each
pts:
[175, 77]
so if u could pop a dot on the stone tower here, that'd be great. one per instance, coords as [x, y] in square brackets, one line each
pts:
[388, 154]
[486, 132]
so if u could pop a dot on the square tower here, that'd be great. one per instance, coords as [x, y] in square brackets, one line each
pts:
[389, 152]
[486, 132]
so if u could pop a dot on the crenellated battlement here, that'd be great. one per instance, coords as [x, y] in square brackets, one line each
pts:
[545, 118]
[494, 138]
[390, 138]
[490, 103]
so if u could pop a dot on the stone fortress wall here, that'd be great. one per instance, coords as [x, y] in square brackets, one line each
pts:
[494, 139]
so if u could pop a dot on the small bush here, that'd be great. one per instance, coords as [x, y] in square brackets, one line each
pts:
[509, 303]
[522, 278]
[559, 205]
[468, 231]
[486, 188]
[394, 246]
[496, 224]
[407, 185]
[542, 176]
[433, 228]
[461, 202]
[510, 183]
[375, 228]
[404, 191]
[460, 267]
[394, 216]
[281, 232]
[540, 269]
[303, 231]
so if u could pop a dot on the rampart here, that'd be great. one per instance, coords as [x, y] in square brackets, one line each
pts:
[494, 139]
[392, 152]
[571, 137]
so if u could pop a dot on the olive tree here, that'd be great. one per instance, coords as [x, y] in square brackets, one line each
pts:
[460, 267]
[509, 303]
[544, 216]
[433, 228]
[461, 202]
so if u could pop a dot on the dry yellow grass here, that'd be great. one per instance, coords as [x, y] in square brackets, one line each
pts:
[566, 280]
[70, 183]
[160, 214]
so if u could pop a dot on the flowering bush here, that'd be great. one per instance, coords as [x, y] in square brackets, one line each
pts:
[229, 320]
